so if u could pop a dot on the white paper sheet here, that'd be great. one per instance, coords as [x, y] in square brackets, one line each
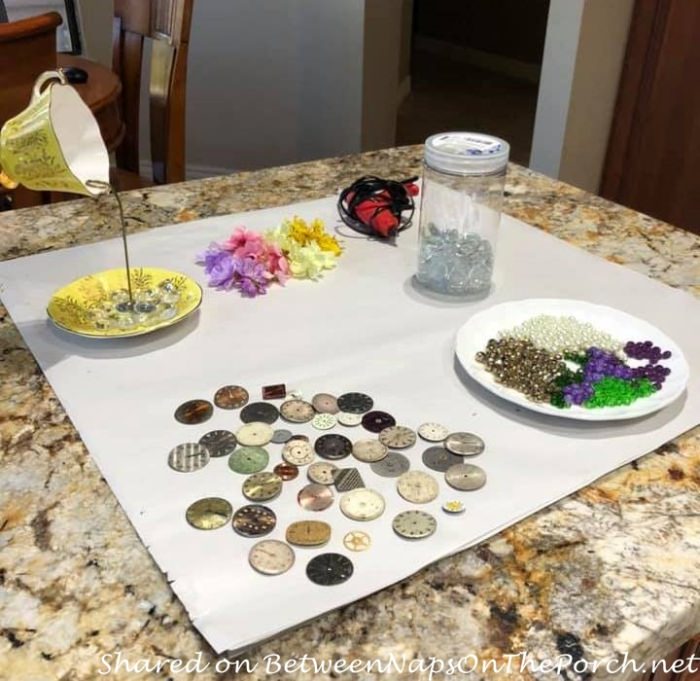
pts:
[363, 327]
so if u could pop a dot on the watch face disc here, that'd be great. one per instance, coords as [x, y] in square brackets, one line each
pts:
[219, 442]
[333, 446]
[281, 435]
[324, 421]
[345, 418]
[417, 487]
[464, 444]
[259, 411]
[262, 486]
[254, 520]
[362, 504]
[308, 533]
[188, 457]
[369, 451]
[247, 460]
[322, 472]
[254, 434]
[355, 403]
[315, 497]
[297, 411]
[465, 477]
[397, 437]
[437, 458]
[329, 569]
[271, 557]
[414, 524]
[324, 403]
[286, 471]
[194, 412]
[392, 465]
[231, 397]
[209, 513]
[376, 421]
[298, 452]
[433, 432]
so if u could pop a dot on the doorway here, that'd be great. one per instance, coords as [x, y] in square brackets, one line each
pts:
[474, 65]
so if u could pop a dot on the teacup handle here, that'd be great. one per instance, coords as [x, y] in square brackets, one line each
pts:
[45, 78]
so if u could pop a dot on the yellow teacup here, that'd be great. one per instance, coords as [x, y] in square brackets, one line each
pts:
[55, 143]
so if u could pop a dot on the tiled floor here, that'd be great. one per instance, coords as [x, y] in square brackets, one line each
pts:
[448, 95]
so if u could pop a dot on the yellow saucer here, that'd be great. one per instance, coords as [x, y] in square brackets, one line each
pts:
[97, 306]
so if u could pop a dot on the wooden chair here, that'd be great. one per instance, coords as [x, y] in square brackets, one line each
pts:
[27, 48]
[167, 24]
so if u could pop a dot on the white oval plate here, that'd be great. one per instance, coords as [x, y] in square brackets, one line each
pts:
[473, 336]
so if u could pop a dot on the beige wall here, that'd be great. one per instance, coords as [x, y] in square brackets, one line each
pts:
[584, 51]
[599, 60]
[96, 23]
[380, 72]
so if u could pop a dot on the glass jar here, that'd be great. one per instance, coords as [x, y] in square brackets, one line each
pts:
[463, 179]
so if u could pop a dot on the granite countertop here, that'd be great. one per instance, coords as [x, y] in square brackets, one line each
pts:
[610, 570]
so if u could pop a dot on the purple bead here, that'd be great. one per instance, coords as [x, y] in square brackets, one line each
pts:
[666, 354]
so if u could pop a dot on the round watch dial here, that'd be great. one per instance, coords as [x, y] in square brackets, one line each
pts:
[465, 477]
[433, 432]
[322, 472]
[362, 504]
[345, 418]
[324, 421]
[329, 569]
[286, 471]
[262, 486]
[194, 412]
[414, 524]
[297, 411]
[324, 403]
[254, 434]
[333, 446]
[391, 466]
[439, 459]
[259, 411]
[209, 513]
[271, 557]
[254, 520]
[247, 460]
[308, 533]
[188, 457]
[219, 442]
[231, 397]
[369, 450]
[464, 444]
[397, 437]
[355, 403]
[281, 435]
[315, 497]
[376, 421]
[417, 487]
[298, 452]
[357, 541]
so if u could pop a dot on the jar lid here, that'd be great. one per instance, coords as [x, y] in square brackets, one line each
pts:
[466, 153]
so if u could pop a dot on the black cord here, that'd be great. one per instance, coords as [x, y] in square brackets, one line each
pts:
[369, 186]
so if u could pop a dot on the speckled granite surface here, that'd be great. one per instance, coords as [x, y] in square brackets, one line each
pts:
[611, 570]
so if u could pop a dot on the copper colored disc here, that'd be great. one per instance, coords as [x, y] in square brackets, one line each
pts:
[286, 471]
[315, 497]
[194, 412]
[254, 520]
[231, 397]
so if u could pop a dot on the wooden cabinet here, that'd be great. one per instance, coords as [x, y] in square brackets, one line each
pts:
[653, 159]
